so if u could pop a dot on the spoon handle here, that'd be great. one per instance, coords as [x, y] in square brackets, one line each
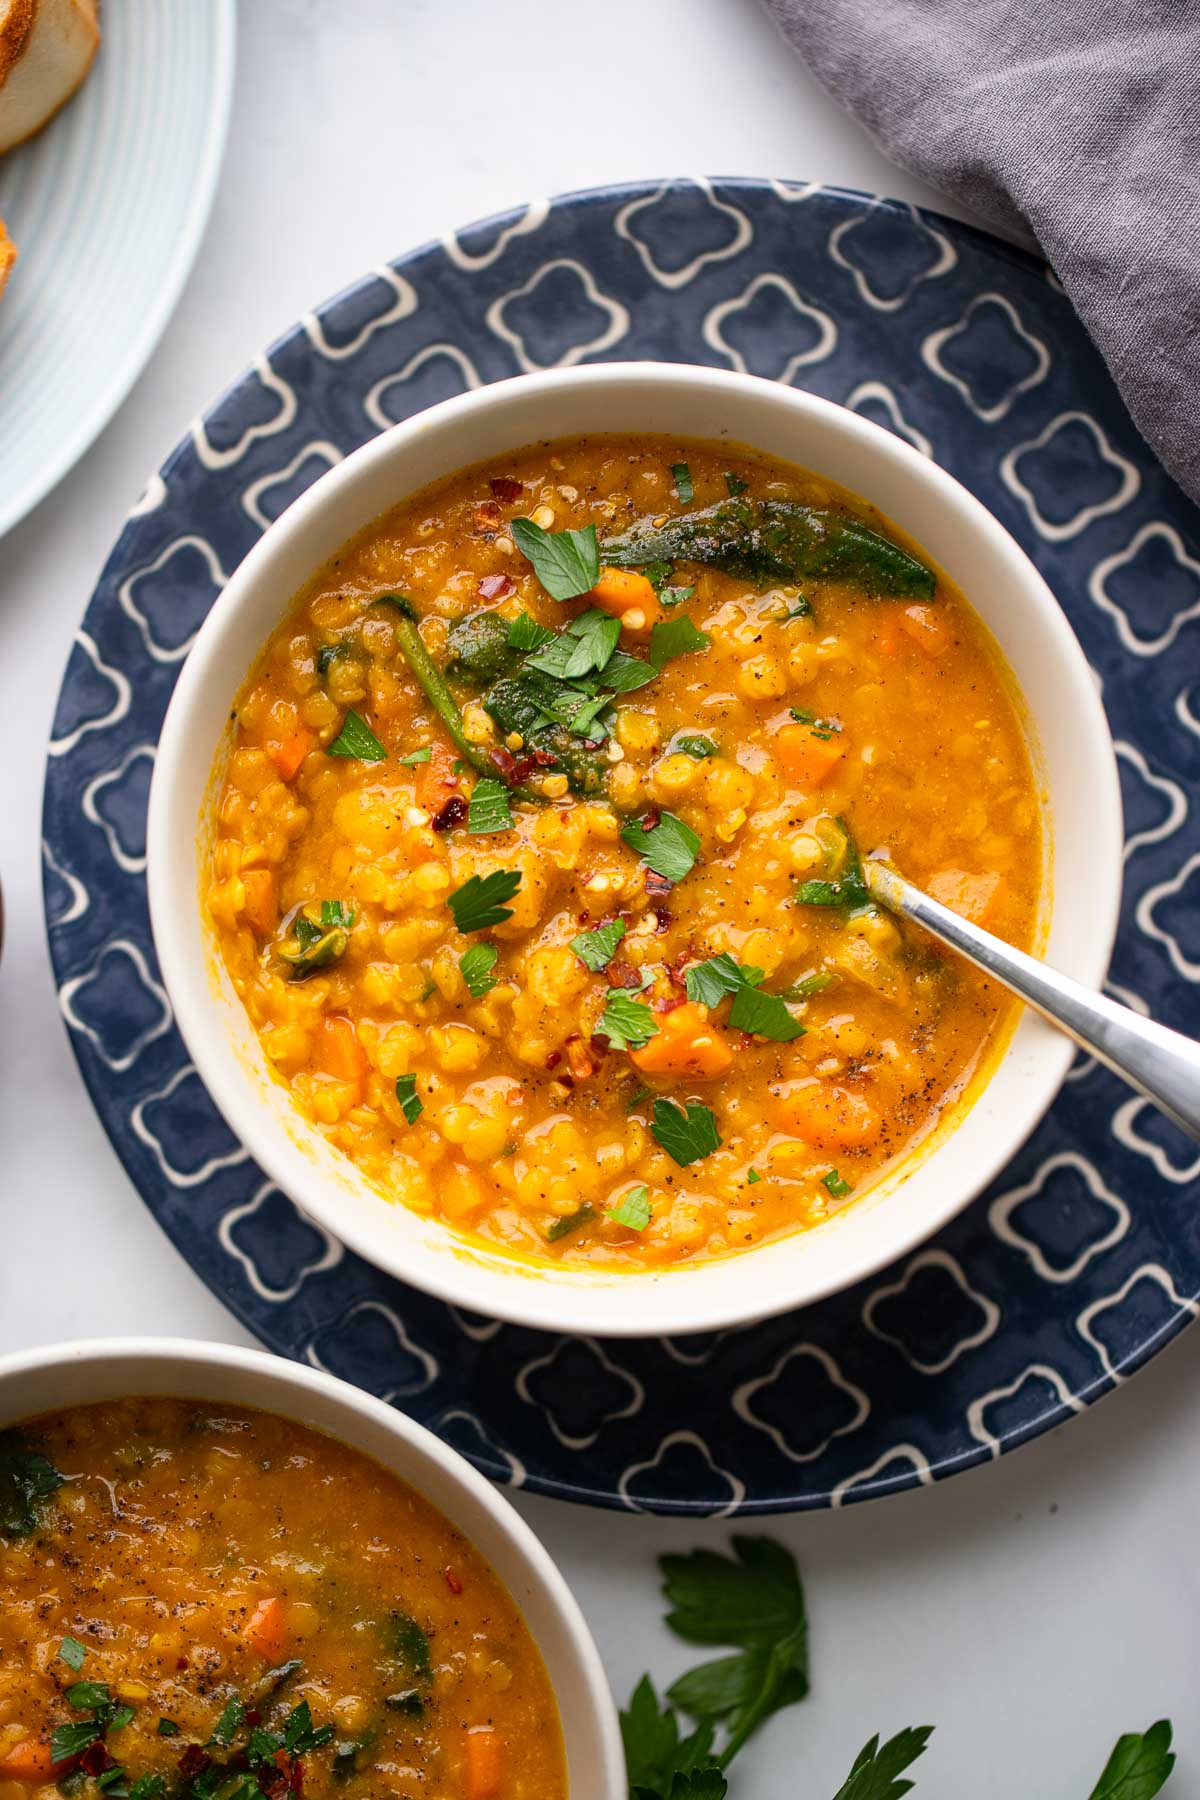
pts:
[1160, 1063]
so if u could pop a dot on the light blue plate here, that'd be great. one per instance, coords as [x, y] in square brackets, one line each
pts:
[1083, 1258]
[107, 207]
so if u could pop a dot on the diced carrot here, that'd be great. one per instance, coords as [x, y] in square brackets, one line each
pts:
[829, 1118]
[485, 1762]
[436, 780]
[340, 1054]
[266, 1628]
[974, 896]
[290, 752]
[926, 626]
[807, 756]
[261, 906]
[630, 596]
[29, 1760]
[685, 1044]
[889, 637]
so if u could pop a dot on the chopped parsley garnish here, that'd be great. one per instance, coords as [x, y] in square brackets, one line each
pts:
[357, 740]
[596, 949]
[682, 477]
[674, 596]
[489, 809]
[848, 890]
[230, 1720]
[475, 966]
[837, 1187]
[68, 1740]
[317, 945]
[167, 1728]
[763, 1015]
[657, 572]
[567, 563]
[807, 986]
[328, 654]
[562, 1228]
[84, 1694]
[411, 1104]
[633, 1209]
[707, 983]
[752, 1175]
[410, 1644]
[586, 645]
[636, 1098]
[698, 747]
[685, 1134]
[626, 1021]
[416, 756]
[675, 637]
[734, 484]
[27, 1481]
[821, 728]
[479, 903]
[73, 1653]
[526, 634]
[664, 843]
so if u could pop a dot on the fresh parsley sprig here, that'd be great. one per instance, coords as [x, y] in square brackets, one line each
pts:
[567, 563]
[479, 903]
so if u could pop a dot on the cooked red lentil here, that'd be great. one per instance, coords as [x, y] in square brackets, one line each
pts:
[218, 1602]
[536, 859]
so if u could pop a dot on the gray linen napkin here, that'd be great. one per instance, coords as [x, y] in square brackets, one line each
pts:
[1074, 121]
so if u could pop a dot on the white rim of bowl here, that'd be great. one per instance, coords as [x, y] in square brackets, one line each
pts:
[506, 1288]
[293, 1378]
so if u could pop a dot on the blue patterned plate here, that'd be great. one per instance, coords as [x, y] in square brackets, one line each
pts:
[1084, 1258]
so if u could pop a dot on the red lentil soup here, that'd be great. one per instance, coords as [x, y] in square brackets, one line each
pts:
[200, 1601]
[537, 849]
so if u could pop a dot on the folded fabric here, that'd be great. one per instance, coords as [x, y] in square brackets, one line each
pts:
[1076, 124]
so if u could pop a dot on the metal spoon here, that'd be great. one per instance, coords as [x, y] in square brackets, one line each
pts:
[1160, 1063]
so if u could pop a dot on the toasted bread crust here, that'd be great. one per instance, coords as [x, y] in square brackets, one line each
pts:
[8, 255]
[47, 48]
[17, 25]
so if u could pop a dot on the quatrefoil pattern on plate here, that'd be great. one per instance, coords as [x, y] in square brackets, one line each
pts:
[1082, 1259]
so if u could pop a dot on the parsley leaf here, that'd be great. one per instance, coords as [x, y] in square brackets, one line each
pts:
[627, 1022]
[734, 483]
[561, 1228]
[586, 645]
[416, 756]
[329, 654]
[807, 986]
[877, 1768]
[707, 983]
[684, 487]
[838, 1187]
[675, 637]
[1138, 1767]
[26, 1480]
[633, 1209]
[655, 1754]
[566, 563]
[763, 1015]
[848, 890]
[668, 846]
[754, 1600]
[698, 747]
[596, 949]
[69, 1740]
[85, 1694]
[752, 1175]
[227, 1725]
[686, 1136]
[476, 966]
[488, 809]
[411, 1104]
[623, 674]
[526, 634]
[479, 902]
[357, 740]
[72, 1652]
[674, 596]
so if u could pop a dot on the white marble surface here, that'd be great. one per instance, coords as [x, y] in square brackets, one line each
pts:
[1030, 1610]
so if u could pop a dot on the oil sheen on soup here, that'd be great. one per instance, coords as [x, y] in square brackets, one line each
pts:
[537, 850]
[200, 1602]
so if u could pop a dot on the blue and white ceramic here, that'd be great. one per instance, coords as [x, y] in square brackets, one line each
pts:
[107, 207]
[1083, 1257]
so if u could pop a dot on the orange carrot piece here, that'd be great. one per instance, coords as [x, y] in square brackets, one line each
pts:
[340, 1053]
[807, 757]
[926, 626]
[290, 752]
[889, 638]
[266, 1629]
[974, 896]
[685, 1044]
[436, 780]
[30, 1760]
[485, 1763]
[829, 1118]
[630, 596]
[261, 906]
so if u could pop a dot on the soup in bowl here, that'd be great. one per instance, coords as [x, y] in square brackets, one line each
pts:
[532, 849]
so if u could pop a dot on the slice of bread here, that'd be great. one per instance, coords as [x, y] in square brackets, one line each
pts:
[8, 255]
[46, 49]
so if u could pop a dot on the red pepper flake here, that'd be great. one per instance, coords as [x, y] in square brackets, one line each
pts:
[487, 517]
[253, 1716]
[554, 1058]
[296, 1778]
[495, 587]
[193, 1762]
[181, 1662]
[503, 761]
[665, 921]
[581, 1063]
[272, 1783]
[96, 1759]
[506, 489]
[453, 813]
[676, 967]
[669, 1004]
[656, 883]
[452, 1580]
[623, 975]
[600, 1046]
[651, 818]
